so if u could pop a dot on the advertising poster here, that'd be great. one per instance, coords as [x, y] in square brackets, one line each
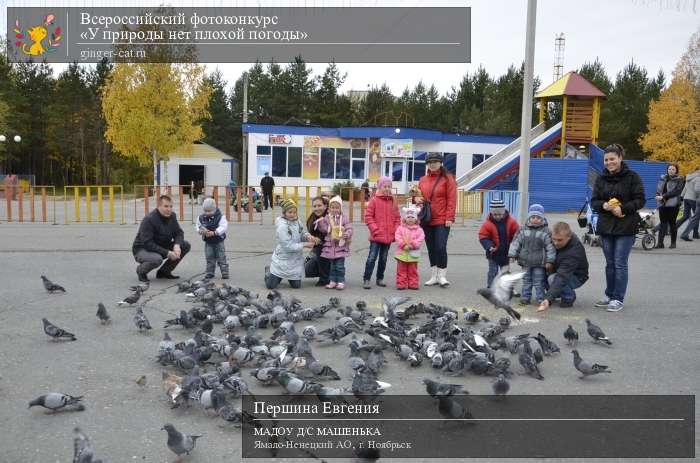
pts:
[397, 148]
[310, 170]
[375, 160]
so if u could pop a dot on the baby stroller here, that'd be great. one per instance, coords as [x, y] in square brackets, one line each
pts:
[589, 221]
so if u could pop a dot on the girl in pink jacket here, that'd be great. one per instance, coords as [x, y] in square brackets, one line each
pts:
[382, 218]
[409, 238]
[336, 245]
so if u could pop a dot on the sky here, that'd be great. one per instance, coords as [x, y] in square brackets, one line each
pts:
[653, 33]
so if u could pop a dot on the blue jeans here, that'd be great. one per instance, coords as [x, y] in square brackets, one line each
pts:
[337, 273]
[534, 278]
[617, 253]
[436, 242]
[493, 271]
[567, 292]
[692, 224]
[688, 210]
[376, 250]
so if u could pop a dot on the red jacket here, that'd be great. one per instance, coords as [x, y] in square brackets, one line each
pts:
[443, 203]
[488, 230]
[382, 218]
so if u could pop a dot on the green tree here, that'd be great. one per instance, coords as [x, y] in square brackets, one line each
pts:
[329, 107]
[218, 129]
[377, 102]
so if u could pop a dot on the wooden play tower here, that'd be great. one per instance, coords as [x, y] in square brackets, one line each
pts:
[581, 102]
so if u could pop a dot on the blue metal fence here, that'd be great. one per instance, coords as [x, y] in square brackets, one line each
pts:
[511, 198]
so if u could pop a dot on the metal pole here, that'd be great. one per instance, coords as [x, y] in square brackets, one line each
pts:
[526, 118]
[244, 138]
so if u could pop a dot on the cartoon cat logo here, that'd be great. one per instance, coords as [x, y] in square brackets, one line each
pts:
[36, 36]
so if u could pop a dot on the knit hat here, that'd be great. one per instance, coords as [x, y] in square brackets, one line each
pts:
[209, 204]
[336, 199]
[433, 156]
[498, 206]
[383, 181]
[287, 204]
[409, 212]
[536, 210]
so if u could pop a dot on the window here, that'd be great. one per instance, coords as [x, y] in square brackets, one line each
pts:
[418, 170]
[279, 161]
[416, 167]
[450, 162]
[264, 160]
[342, 163]
[479, 158]
[358, 164]
[328, 163]
[397, 171]
[294, 162]
[263, 150]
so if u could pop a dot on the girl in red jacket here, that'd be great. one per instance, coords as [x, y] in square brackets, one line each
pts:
[382, 218]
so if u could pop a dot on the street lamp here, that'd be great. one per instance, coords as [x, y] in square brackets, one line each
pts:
[3, 139]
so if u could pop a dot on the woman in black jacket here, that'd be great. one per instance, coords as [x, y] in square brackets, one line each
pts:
[668, 195]
[319, 207]
[617, 196]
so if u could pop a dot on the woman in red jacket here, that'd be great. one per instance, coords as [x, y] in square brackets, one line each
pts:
[382, 218]
[439, 189]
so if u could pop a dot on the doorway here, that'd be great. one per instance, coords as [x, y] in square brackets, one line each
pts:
[191, 174]
[396, 169]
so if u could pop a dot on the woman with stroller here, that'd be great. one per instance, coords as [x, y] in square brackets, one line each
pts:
[668, 195]
[618, 194]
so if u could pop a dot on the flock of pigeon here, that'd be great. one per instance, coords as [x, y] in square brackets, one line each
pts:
[206, 370]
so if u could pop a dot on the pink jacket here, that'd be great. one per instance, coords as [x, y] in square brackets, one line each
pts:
[332, 249]
[382, 217]
[415, 236]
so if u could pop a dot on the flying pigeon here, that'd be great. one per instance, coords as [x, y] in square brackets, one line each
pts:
[596, 333]
[586, 368]
[51, 286]
[56, 401]
[571, 336]
[102, 313]
[501, 291]
[56, 332]
[133, 298]
[83, 451]
[141, 321]
[180, 444]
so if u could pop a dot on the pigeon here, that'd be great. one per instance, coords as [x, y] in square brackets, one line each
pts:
[571, 336]
[548, 347]
[55, 332]
[180, 444]
[501, 291]
[51, 286]
[295, 385]
[501, 385]
[596, 333]
[451, 409]
[141, 381]
[365, 386]
[528, 362]
[56, 401]
[436, 389]
[141, 321]
[133, 298]
[83, 451]
[102, 313]
[586, 368]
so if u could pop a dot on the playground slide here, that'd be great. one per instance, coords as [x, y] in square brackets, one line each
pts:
[507, 161]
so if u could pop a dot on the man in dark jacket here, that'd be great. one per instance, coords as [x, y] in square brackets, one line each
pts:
[570, 268]
[268, 187]
[159, 237]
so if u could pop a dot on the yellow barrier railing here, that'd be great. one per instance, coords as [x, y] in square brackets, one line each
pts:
[469, 204]
[85, 192]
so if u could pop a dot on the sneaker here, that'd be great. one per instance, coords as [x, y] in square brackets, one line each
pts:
[366, 284]
[615, 306]
[567, 304]
[381, 283]
[523, 302]
[167, 276]
[603, 303]
[331, 285]
[340, 286]
[321, 283]
[413, 287]
[685, 238]
[208, 276]
[400, 288]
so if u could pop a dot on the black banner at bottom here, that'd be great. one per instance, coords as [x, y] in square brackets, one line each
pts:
[466, 426]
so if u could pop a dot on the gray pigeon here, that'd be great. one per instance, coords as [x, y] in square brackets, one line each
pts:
[586, 368]
[179, 443]
[55, 332]
[548, 346]
[133, 298]
[528, 362]
[451, 409]
[501, 385]
[295, 385]
[56, 401]
[571, 336]
[501, 291]
[51, 286]
[436, 389]
[102, 313]
[596, 333]
[141, 321]
[83, 451]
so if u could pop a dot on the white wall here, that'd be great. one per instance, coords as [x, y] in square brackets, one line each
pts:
[216, 172]
[464, 151]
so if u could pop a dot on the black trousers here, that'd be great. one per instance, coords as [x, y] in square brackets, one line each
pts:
[324, 266]
[667, 216]
[436, 242]
[268, 200]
